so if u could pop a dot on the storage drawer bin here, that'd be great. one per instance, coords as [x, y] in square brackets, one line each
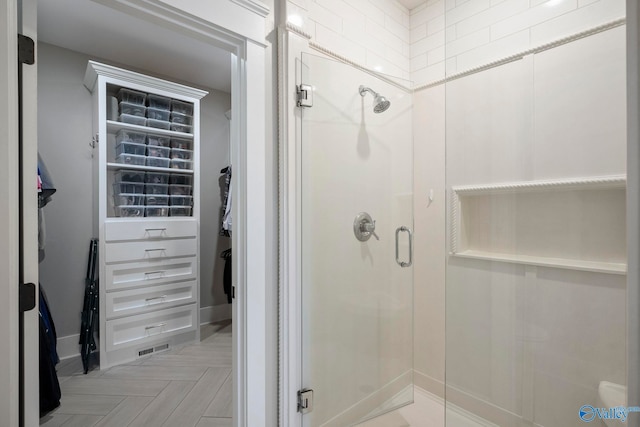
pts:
[181, 200]
[149, 273]
[177, 153]
[181, 128]
[180, 190]
[160, 124]
[128, 188]
[157, 114]
[155, 140]
[156, 189]
[183, 144]
[156, 210]
[182, 107]
[157, 151]
[132, 96]
[157, 178]
[130, 176]
[159, 102]
[124, 135]
[133, 120]
[180, 211]
[131, 159]
[157, 229]
[137, 301]
[181, 164]
[130, 211]
[133, 109]
[158, 249]
[128, 199]
[180, 179]
[157, 162]
[156, 200]
[180, 118]
[136, 330]
[131, 148]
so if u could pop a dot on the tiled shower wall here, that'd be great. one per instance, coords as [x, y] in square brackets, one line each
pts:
[442, 37]
[449, 36]
[373, 33]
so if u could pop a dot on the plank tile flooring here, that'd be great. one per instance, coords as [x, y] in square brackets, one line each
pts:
[188, 386]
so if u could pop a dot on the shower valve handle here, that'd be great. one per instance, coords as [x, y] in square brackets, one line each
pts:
[369, 227]
[364, 227]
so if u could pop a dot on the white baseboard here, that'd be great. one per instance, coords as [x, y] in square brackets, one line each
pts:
[215, 313]
[68, 346]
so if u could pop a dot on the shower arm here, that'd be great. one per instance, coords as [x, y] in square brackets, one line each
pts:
[363, 91]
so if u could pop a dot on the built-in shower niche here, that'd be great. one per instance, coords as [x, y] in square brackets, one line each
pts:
[576, 224]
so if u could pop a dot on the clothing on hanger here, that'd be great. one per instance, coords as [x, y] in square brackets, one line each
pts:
[225, 226]
[227, 275]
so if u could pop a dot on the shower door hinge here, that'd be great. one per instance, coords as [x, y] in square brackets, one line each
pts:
[26, 50]
[304, 95]
[305, 400]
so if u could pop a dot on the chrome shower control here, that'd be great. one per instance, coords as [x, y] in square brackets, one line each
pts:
[364, 227]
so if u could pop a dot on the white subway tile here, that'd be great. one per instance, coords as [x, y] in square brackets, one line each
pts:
[325, 17]
[342, 9]
[449, 4]
[406, 50]
[369, 10]
[418, 33]
[397, 29]
[451, 34]
[468, 42]
[383, 35]
[493, 51]
[497, 13]
[436, 55]
[369, 43]
[578, 20]
[389, 8]
[402, 61]
[460, 2]
[337, 43]
[418, 62]
[427, 44]
[380, 64]
[495, 2]
[298, 16]
[299, 3]
[451, 66]
[531, 17]
[582, 3]
[428, 13]
[534, 3]
[429, 75]
[430, 3]
[466, 10]
[435, 25]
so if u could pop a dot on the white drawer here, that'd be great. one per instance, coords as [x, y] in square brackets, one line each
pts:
[143, 300]
[148, 273]
[136, 330]
[149, 250]
[149, 229]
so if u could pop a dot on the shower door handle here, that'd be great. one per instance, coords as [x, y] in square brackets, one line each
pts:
[398, 231]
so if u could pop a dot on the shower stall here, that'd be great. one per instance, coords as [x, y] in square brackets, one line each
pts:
[456, 243]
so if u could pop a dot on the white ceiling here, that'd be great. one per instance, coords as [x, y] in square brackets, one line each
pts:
[411, 4]
[107, 34]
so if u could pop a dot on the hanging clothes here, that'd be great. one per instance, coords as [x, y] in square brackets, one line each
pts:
[225, 226]
[45, 191]
[50, 393]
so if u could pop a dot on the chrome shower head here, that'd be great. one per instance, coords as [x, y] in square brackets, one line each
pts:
[380, 103]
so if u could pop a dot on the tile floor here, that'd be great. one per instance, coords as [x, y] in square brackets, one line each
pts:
[189, 386]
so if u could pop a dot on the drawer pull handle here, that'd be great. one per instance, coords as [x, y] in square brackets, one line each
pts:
[159, 325]
[149, 273]
[156, 229]
[162, 297]
[155, 250]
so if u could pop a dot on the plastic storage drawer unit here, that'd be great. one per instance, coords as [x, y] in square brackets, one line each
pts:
[131, 159]
[180, 211]
[157, 151]
[157, 211]
[128, 188]
[157, 178]
[177, 153]
[132, 109]
[182, 144]
[158, 141]
[180, 190]
[181, 164]
[132, 96]
[130, 176]
[180, 118]
[157, 114]
[177, 178]
[133, 120]
[159, 124]
[131, 148]
[124, 135]
[182, 107]
[129, 199]
[181, 128]
[181, 200]
[159, 102]
[156, 200]
[157, 162]
[130, 211]
[156, 189]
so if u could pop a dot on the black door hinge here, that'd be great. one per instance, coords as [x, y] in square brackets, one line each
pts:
[233, 292]
[26, 50]
[27, 297]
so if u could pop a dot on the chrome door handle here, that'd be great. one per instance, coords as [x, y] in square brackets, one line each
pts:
[398, 231]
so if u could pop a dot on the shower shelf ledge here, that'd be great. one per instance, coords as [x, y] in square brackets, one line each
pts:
[571, 264]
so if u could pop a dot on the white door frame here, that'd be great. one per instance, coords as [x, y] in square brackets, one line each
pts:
[9, 211]
[237, 26]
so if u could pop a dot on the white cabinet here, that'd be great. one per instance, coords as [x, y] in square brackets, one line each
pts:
[147, 211]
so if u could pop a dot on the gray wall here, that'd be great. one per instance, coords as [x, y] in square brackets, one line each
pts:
[64, 133]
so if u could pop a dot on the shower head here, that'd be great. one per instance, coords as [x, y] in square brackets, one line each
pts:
[380, 103]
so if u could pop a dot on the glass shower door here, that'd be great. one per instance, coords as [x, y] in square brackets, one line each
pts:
[356, 209]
